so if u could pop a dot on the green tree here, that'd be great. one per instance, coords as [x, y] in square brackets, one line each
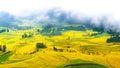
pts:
[40, 45]
[54, 48]
[38, 30]
[0, 48]
[24, 35]
[7, 30]
[4, 48]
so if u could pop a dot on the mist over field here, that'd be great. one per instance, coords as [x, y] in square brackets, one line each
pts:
[57, 17]
[59, 34]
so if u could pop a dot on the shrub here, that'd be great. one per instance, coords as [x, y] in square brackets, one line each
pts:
[27, 35]
[0, 48]
[54, 48]
[4, 48]
[40, 45]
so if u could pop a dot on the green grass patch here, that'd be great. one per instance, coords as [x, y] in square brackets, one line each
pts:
[78, 63]
[4, 57]
[11, 42]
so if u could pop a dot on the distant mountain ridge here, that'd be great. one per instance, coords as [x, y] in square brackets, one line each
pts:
[55, 17]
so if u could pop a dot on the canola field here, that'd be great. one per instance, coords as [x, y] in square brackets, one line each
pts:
[71, 49]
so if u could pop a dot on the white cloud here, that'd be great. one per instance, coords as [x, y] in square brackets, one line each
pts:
[90, 7]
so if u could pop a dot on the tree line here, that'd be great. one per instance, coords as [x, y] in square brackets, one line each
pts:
[27, 35]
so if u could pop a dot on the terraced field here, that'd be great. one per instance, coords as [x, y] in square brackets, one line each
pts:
[72, 49]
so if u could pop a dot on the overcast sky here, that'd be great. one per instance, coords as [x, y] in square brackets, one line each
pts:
[89, 7]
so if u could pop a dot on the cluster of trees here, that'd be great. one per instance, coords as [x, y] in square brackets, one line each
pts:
[50, 30]
[4, 30]
[38, 30]
[61, 50]
[40, 45]
[76, 28]
[27, 35]
[3, 48]
[113, 33]
[115, 36]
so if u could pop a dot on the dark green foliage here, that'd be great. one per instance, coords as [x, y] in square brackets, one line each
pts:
[38, 30]
[98, 29]
[7, 30]
[4, 30]
[40, 45]
[4, 48]
[54, 48]
[0, 48]
[78, 63]
[5, 56]
[114, 36]
[113, 39]
[76, 28]
[95, 34]
[113, 33]
[52, 30]
[27, 35]
[30, 35]
[24, 35]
